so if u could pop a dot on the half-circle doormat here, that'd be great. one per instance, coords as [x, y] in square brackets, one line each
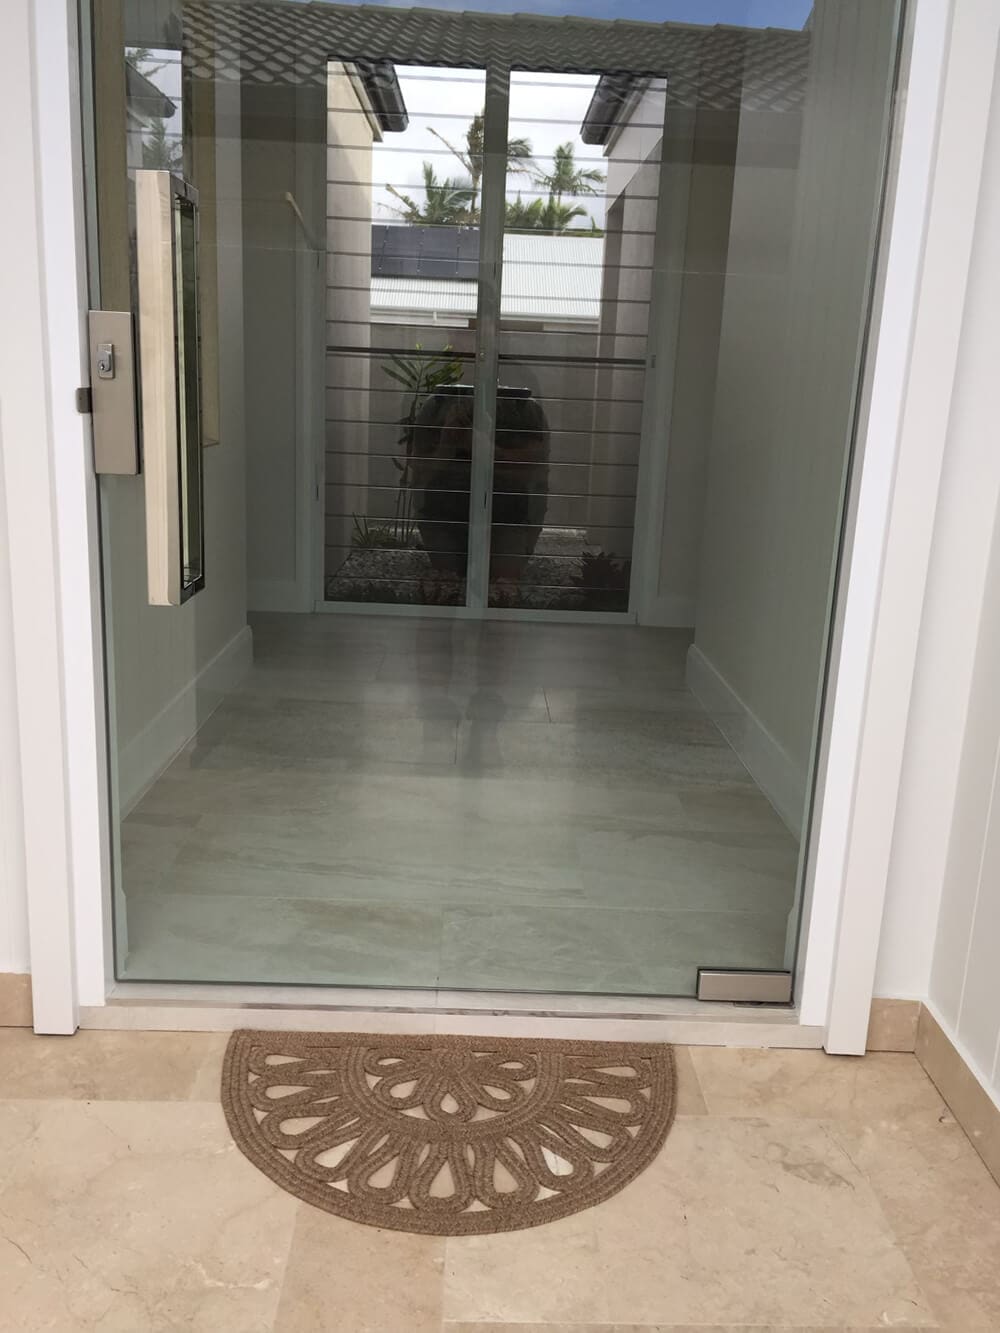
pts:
[449, 1136]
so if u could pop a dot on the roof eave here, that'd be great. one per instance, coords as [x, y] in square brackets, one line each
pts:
[384, 93]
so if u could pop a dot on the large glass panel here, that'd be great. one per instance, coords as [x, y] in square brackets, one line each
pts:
[333, 765]
[576, 286]
[402, 282]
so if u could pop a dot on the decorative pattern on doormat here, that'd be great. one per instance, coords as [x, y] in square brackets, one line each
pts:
[444, 1135]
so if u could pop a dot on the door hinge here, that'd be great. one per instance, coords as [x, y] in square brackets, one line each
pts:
[84, 401]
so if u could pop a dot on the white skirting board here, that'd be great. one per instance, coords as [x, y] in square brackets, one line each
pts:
[145, 757]
[775, 772]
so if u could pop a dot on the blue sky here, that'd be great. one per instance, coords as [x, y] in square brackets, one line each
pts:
[745, 13]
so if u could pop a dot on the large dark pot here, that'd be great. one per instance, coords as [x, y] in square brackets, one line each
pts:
[440, 468]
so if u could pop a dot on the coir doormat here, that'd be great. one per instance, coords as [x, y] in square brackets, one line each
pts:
[447, 1135]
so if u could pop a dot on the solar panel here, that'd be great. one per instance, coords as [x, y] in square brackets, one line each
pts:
[424, 252]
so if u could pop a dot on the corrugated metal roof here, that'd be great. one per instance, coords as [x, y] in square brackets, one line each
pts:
[552, 278]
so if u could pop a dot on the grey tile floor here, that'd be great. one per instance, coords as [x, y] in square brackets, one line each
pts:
[497, 805]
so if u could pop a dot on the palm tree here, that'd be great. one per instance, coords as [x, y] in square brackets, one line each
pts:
[567, 178]
[162, 149]
[447, 202]
[473, 156]
[547, 215]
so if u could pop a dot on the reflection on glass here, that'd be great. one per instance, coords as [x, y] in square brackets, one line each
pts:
[405, 164]
[153, 90]
[429, 801]
[576, 286]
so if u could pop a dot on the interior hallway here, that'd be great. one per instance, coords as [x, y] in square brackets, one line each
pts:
[795, 1192]
[428, 802]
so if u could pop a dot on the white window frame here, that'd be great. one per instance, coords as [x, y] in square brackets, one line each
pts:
[52, 501]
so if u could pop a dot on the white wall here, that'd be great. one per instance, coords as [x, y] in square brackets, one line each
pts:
[282, 155]
[164, 686]
[13, 908]
[698, 166]
[616, 391]
[964, 990]
[47, 542]
[685, 277]
[941, 925]
[172, 665]
[349, 404]
[793, 311]
[637, 140]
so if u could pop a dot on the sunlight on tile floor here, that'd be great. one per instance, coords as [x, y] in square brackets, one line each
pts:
[795, 1192]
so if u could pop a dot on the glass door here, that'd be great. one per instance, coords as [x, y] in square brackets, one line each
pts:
[423, 216]
[467, 598]
[404, 200]
[577, 277]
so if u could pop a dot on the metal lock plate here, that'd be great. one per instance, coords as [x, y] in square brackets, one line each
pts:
[113, 393]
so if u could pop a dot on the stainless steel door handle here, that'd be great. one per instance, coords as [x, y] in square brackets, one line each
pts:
[166, 242]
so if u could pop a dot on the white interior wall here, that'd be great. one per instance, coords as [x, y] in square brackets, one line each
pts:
[793, 310]
[964, 988]
[616, 391]
[172, 665]
[942, 912]
[694, 392]
[282, 160]
[269, 245]
[349, 404]
[14, 955]
[698, 197]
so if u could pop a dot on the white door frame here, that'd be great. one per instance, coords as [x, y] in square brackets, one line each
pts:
[51, 498]
[52, 503]
[903, 425]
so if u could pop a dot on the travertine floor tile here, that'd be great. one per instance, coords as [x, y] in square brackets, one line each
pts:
[342, 1276]
[944, 1208]
[549, 1273]
[750, 1221]
[112, 1066]
[666, 1328]
[810, 1084]
[132, 1217]
[689, 1096]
